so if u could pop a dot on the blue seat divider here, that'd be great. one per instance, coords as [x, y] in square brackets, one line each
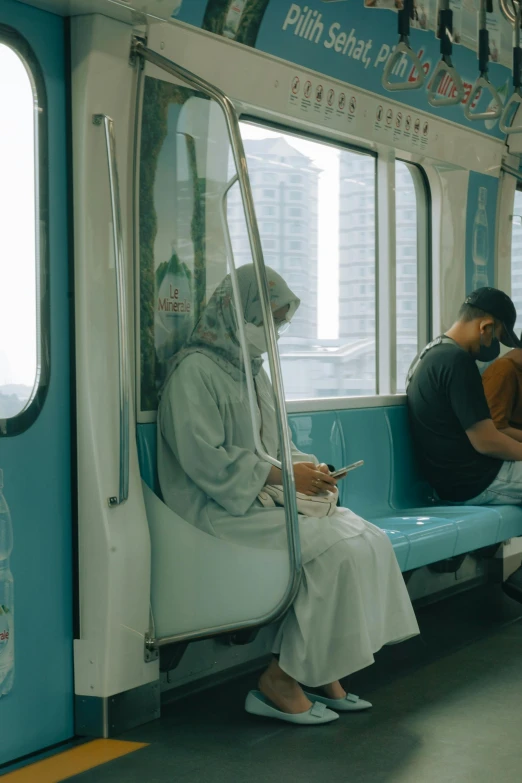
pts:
[319, 434]
[388, 490]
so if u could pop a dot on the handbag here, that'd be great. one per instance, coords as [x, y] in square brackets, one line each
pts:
[318, 506]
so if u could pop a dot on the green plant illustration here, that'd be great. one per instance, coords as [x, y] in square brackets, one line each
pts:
[158, 97]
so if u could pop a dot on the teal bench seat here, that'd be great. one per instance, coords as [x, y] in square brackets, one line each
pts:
[388, 490]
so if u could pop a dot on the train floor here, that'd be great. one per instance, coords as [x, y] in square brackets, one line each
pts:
[447, 707]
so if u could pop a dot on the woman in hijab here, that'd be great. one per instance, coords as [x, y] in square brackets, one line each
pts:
[352, 599]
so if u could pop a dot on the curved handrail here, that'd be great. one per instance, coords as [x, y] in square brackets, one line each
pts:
[121, 302]
[403, 48]
[252, 399]
[445, 66]
[483, 82]
[290, 508]
[513, 104]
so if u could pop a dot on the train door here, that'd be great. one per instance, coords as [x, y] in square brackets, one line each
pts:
[36, 683]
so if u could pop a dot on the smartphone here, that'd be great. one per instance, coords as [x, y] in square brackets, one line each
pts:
[347, 469]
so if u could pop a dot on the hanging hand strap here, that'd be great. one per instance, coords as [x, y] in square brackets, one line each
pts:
[483, 82]
[445, 66]
[403, 48]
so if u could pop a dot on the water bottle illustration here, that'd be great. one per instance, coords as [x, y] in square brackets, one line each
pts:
[233, 18]
[6, 597]
[480, 242]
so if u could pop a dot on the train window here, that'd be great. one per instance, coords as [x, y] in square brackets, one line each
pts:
[329, 350]
[411, 293]
[23, 207]
[516, 257]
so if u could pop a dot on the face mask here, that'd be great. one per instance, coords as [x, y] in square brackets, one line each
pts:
[282, 327]
[256, 340]
[489, 353]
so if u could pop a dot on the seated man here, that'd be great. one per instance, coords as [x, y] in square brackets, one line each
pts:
[502, 382]
[463, 456]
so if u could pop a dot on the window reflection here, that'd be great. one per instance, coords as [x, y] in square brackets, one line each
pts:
[321, 198]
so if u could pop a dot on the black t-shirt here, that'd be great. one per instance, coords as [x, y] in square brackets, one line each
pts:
[445, 398]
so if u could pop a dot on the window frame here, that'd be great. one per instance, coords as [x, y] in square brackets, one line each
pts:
[517, 189]
[385, 296]
[19, 423]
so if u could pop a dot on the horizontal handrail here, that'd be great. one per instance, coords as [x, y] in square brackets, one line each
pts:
[513, 172]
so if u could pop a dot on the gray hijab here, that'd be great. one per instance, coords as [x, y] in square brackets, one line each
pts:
[215, 333]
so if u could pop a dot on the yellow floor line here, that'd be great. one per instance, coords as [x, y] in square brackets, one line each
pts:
[73, 762]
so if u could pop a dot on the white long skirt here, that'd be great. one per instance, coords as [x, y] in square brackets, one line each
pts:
[352, 601]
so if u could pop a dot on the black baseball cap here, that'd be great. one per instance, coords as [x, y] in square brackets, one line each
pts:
[499, 305]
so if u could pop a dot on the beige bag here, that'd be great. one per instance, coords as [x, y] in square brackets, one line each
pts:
[318, 506]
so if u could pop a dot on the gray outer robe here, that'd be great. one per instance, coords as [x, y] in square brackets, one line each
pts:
[352, 598]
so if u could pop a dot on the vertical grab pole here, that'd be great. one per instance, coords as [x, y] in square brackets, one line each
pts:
[121, 308]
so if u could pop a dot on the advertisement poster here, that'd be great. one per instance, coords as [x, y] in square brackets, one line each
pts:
[171, 222]
[480, 231]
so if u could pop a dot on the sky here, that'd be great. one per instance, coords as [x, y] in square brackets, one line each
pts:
[326, 158]
[17, 223]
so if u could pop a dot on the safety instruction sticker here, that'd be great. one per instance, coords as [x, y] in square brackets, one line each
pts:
[340, 106]
[352, 108]
[324, 103]
[398, 125]
[416, 135]
[333, 106]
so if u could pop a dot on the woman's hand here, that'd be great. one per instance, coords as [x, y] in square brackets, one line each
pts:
[313, 479]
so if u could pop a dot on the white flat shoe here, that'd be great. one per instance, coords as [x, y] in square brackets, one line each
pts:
[350, 703]
[257, 704]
